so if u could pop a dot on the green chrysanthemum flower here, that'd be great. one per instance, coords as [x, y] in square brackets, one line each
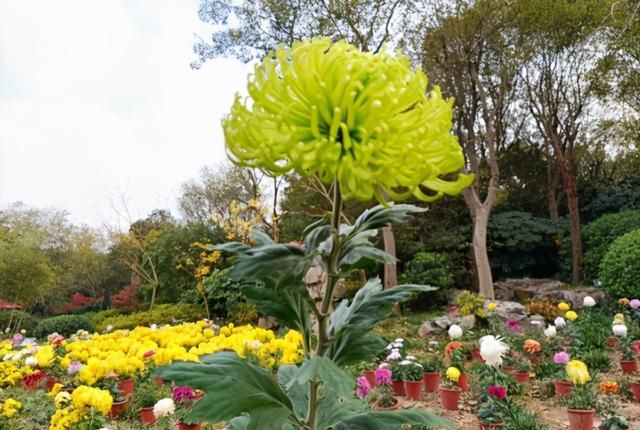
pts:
[329, 110]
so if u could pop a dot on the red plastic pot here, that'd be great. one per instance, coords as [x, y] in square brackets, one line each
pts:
[635, 390]
[117, 409]
[371, 377]
[147, 416]
[580, 419]
[431, 381]
[463, 382]
[521, 377]
[562, 387]
[612, 342]
[413, 390]
[185, 426]
[449, 398]
[126, 386]
[398, 387]
[630, 366]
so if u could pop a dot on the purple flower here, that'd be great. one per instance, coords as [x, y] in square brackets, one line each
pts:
[74, 367]
[181, 394]
[561, 357]
[383, 376]
[362, 387]
[18, 338]
[512, 325]
[634, 304]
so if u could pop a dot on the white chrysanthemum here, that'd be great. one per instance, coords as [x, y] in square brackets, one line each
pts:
[154, 326]
[406, 362]
[394, 355]
[550, 331]
[31, 361]
[399, 340]
[109, 328]
[588, 302]
[455, 331]
[619, 330]
[411, 357]
[560, 322]
[492, 349]
[164, 408]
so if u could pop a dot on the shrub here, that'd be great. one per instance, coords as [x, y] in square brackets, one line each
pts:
[161, 314]
[470, 303]
[18, 320]
[63, 324]
[620, 268]
[545, 308]
[523, 245]
[597, 236]
[429, 268]
[223, 294]
[243, 313]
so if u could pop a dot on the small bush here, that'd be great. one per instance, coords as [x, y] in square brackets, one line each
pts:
[18, 320]
[161, 314]
[545, 308]
[429, 268]
[243, 313]
[63, 324]
[620, 268]
[223, 294]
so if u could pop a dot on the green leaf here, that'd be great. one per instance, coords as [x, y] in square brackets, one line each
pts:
[392, 420]
[325, 370]
[233, 388]
[260, 237]
[289, 304]
[276, 261]
[380, 216]
[371, 304]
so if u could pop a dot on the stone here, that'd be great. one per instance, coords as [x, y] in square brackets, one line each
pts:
[508, 310]
[467, 322]
[442, 324]
[526, 289]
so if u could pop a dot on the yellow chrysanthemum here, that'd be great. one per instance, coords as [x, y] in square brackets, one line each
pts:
[330, 110]
[563, 306]
[10, 407]
[85, 397]
[578, 372]
[491, 307]
[571, 315]
[453, 374]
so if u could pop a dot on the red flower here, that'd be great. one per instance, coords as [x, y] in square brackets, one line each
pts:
[149, 354]
[33, 381]
[497, 391]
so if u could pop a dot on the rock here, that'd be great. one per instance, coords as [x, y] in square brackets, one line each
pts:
[508, 310]
[441, 324]
[526, 289]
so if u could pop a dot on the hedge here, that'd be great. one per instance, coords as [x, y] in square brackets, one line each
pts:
[65, 325]
[620, 268]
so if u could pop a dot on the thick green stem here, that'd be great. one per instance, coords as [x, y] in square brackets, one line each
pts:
[327, 300]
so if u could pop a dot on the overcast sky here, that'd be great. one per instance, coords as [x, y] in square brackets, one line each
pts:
[97, 100]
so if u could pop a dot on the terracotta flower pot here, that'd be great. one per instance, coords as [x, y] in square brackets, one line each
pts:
[562, 387]
[185, 426]
[147, 416]
[449, 398]
[371, 377]
[398, 387]
[475, 354]
[158, 381]
[490, 426]
[630, 366]
[463, 382]
[521, 377]
[612, 342]
[378, 407]
[431, 381]
[117, 409]
[581, 419]
[126, 386]
[635, 390]
[413, 390]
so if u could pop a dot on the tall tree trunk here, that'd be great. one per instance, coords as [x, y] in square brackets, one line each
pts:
[552, 182]
[574, 226]
[481, 256]
[390, 270]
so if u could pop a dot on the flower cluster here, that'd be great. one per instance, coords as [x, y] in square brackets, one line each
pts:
[83, 404]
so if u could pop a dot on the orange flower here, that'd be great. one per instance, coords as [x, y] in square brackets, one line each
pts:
[532, 346]
[623, 301]
[608, 387]
[452, 346]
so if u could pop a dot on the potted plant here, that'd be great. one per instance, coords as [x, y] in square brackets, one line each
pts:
[382, 397]
[607, 403]
[522, 374]
[120, 400]
[412, 379]
[561, 384]
[635, 388]
[582, 400]
[431, 368]
[456, 359]
[145, 397]
[397, 372]
[184, 398]
[628, 362]
[368, 370]
[449, 390]
[491, 414]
